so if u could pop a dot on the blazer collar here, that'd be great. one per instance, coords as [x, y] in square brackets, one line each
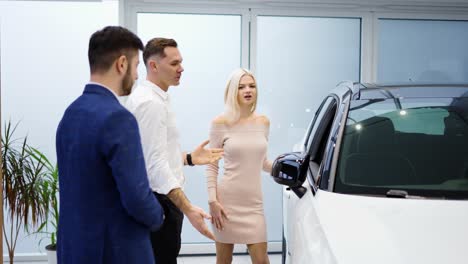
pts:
[97, 88]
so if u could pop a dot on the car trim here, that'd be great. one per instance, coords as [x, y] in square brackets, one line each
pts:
[339, 135]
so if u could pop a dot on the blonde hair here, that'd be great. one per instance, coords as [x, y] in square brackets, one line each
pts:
[231, 105]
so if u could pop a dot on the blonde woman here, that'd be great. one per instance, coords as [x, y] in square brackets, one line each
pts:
[236, 202]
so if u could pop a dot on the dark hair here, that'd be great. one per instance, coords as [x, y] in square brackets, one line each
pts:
[108, 44]
[156, 46]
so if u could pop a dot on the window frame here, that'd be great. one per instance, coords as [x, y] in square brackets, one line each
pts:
[306, 140]
[449, 15]
[365, 18]
[249, 14]
[319, 136]
[131, 10]
[369, 13]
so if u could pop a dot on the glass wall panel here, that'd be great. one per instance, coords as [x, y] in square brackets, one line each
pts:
[211, 49]
[299, 60]
[44, 65]
[422, 50]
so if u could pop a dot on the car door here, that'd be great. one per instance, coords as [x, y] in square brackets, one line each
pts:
[310, 243]
[314, 142]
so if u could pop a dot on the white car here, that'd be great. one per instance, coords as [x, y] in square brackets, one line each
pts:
[380, 177]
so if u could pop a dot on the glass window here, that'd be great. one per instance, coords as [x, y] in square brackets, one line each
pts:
[298, 61]
[422, 50]
[308, 136]
[210, 46]
[320, 133]
[420, 147]
[429, 121]
[318, 119]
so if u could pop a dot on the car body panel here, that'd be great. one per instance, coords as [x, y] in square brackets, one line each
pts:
[332, 228]
[307, 242]
[327, 227]
[365, 229]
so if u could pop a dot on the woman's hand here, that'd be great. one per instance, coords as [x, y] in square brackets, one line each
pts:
[218, 215]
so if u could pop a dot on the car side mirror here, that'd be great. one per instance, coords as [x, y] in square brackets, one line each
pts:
[290, 169]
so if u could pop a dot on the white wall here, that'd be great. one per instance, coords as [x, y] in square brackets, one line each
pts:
[44, 68]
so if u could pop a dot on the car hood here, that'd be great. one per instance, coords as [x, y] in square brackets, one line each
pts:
[364, 229]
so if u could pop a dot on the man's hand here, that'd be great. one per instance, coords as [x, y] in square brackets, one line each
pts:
[202, 156]
[195, 214]
[218, 215]
[197, 217]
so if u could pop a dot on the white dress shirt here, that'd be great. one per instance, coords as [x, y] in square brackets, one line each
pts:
[159, 136]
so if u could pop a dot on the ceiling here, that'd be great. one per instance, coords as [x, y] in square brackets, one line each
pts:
[443, 5]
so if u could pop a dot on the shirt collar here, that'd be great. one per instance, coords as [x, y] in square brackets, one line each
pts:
[164, 95]
[100, 84]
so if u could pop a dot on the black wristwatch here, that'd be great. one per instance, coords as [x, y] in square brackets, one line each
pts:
[189, 159]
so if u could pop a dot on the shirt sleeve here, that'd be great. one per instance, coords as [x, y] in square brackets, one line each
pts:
[121, 147]
[152, 120]
[267, 164]
[216, 141]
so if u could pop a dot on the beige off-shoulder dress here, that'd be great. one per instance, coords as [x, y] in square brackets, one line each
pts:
[240, 190]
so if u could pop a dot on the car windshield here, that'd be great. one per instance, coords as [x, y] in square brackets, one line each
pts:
[414, 146]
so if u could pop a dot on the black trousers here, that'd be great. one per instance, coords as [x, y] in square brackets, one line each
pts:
[166, 241]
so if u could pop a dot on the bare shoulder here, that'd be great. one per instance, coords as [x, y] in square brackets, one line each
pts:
[263, 119]
[219, 120]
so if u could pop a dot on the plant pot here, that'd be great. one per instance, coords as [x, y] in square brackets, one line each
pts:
[51, 254]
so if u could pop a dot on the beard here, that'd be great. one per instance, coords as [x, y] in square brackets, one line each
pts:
[127, 83]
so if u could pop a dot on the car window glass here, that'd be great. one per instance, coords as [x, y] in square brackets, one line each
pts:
[418, 145]
[317, 120]
[323, 133]
[305, 140]
[320, 137]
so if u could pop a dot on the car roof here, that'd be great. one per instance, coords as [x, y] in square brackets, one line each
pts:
[376, 91]
[366, 91]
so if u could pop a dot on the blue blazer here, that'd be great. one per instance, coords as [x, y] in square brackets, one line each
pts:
[106, 206]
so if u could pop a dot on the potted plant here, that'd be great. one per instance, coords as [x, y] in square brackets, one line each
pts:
[50, 189]
[23, 194]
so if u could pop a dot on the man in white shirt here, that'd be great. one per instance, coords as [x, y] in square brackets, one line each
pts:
[150, 104]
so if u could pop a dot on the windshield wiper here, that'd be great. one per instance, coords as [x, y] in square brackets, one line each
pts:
[402, 194]
[397, 194]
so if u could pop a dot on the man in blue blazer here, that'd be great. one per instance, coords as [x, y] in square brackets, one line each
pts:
[106, 206]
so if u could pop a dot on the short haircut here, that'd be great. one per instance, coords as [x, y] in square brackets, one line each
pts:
[156, 46]
[108, 44]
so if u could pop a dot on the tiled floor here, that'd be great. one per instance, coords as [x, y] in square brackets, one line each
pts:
[238, 259]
